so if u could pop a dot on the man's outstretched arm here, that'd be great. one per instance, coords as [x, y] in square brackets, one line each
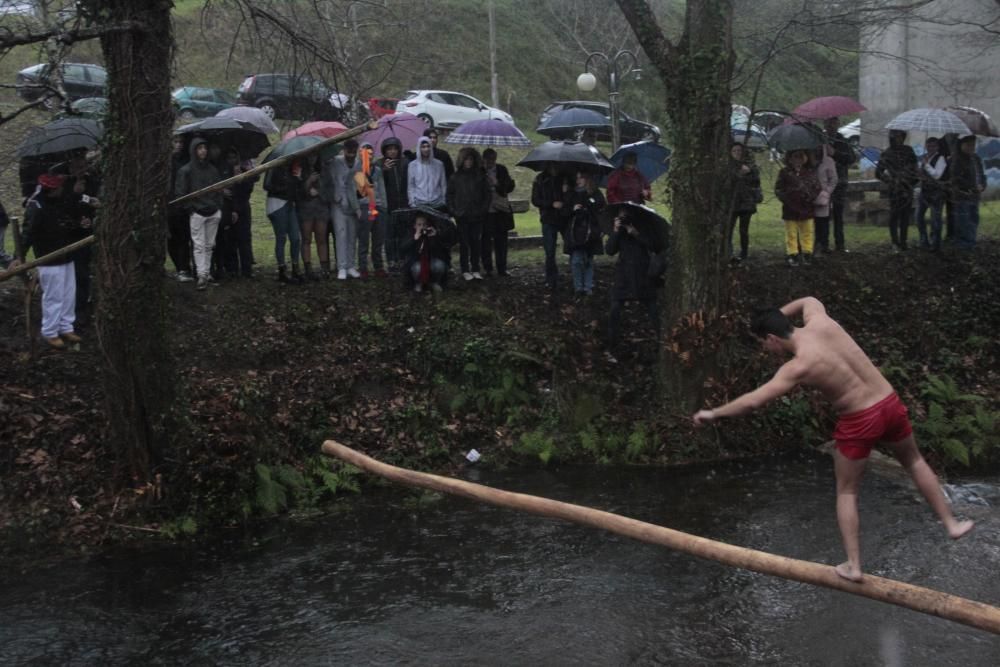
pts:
[808, 306]
[783, 382]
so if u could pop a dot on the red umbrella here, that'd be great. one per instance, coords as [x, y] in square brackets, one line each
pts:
[318, 128]
[820, 108]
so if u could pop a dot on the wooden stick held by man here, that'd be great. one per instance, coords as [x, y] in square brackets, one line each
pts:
[825, 357]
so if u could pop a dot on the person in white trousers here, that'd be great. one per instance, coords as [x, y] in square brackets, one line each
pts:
[47, 228]
[205, 211]
[338, 189]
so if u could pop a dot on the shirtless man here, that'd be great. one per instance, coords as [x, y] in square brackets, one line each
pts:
[824, 356]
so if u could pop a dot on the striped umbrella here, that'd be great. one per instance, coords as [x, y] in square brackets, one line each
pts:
[490, 132]
[932, 121]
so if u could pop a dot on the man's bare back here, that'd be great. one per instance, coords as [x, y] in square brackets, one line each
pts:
[828, 359]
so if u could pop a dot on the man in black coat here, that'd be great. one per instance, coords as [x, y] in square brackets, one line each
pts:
[635, 246]
[898, 168]
[843, 156]
[394, 174]
[500, 219]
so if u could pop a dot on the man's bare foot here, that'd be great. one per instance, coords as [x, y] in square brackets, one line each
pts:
[959, 528]
[849, 572]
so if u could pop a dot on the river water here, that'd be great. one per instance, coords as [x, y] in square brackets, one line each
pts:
[398, 578]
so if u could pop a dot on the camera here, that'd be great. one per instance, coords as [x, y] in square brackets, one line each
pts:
[85, 199]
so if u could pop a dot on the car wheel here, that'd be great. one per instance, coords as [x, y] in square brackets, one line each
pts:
[269, 109]
[427, 119]
[186, 115]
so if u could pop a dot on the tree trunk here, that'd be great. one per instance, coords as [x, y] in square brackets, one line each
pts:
[132, 312]
[696, 73]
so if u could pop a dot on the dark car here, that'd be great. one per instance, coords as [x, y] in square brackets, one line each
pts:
[87, 107]
[79, 80]
[192, 102]
[287, 96]
[632, 130]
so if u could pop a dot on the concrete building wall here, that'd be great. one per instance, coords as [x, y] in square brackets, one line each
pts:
[941, 58]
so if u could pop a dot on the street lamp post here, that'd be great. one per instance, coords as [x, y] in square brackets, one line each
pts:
[614, 67]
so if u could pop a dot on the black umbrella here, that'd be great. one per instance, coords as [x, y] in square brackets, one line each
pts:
[795, 137]
[61, 136]
[243, 136]
[439, 219]
[639, 216]
[573, 118]
[569, 155]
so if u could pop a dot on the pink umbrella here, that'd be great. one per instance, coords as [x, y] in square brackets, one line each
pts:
[820, 108]
[403, 126]
[318, 128]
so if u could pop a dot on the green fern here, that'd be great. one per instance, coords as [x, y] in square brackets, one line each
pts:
[272, 497]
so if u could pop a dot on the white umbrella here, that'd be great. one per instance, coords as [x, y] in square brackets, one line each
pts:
[932, 121]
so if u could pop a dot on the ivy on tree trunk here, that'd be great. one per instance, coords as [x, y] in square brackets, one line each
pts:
[131, 231]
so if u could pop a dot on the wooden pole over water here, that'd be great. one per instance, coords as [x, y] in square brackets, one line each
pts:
[936, 603]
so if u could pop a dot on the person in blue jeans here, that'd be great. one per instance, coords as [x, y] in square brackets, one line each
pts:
[548, 192]
[968, 180]
[933, 181]
[284, 186]
[583, 232]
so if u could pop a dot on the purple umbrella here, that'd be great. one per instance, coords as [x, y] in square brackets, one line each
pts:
[251, 115]
[404, 126]
[820, 108]
[491, 132]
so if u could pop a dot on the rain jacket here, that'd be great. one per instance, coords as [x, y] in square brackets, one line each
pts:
[469, 193]
[583, 231]
[336, 183]
[394, 180]
[744, 186]
[966, 176]
[426, 182]
[826, 174]
[797, 192]
[48, 227]
[194, 176]
[898, 168]
[626, 186]
[545, 191]
[632, 281]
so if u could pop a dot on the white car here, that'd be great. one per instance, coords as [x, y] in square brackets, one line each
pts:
[444, 108]
[851, 132]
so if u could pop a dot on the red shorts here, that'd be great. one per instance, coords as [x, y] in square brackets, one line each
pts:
[886, 421]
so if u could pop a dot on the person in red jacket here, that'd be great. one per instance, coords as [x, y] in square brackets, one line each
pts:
[627, 183]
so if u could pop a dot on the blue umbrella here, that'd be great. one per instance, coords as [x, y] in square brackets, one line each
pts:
[653, 158]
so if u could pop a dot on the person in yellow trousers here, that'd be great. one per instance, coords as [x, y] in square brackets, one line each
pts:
[797, 188]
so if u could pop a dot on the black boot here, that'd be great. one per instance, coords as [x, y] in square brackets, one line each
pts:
[296, 276]
[309, 271]
[282, 276]
[325, 269]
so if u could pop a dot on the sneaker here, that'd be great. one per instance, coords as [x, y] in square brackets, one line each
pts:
[467, 275]
[437, 287]
[55, 342]
[806, 259]
[418, 288]
[202, 284]
[791, 260]
[353, 273]
[70, 337]
[503, 274]
[184, 277]
[342, 274]
[476, 275]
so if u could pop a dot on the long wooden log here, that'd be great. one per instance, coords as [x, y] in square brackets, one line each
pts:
[55, 254]
[936, 603]
[277, 162]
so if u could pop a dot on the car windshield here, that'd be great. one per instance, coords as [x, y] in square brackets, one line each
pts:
[177, 92]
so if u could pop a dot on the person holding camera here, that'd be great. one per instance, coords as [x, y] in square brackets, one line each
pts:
[427, 254]
[635, 248]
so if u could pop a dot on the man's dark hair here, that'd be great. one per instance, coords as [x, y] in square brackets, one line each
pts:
[351, 144]
[489, 153]
[770, 321]
[430, 131]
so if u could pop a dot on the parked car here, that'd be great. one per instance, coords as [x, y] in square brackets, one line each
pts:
[738, 129]
[191, 102]
[447, 109]
[79, 80]
[287, 96]
[87, 107]
[851, 132]
[632, 130]
[382, 106]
